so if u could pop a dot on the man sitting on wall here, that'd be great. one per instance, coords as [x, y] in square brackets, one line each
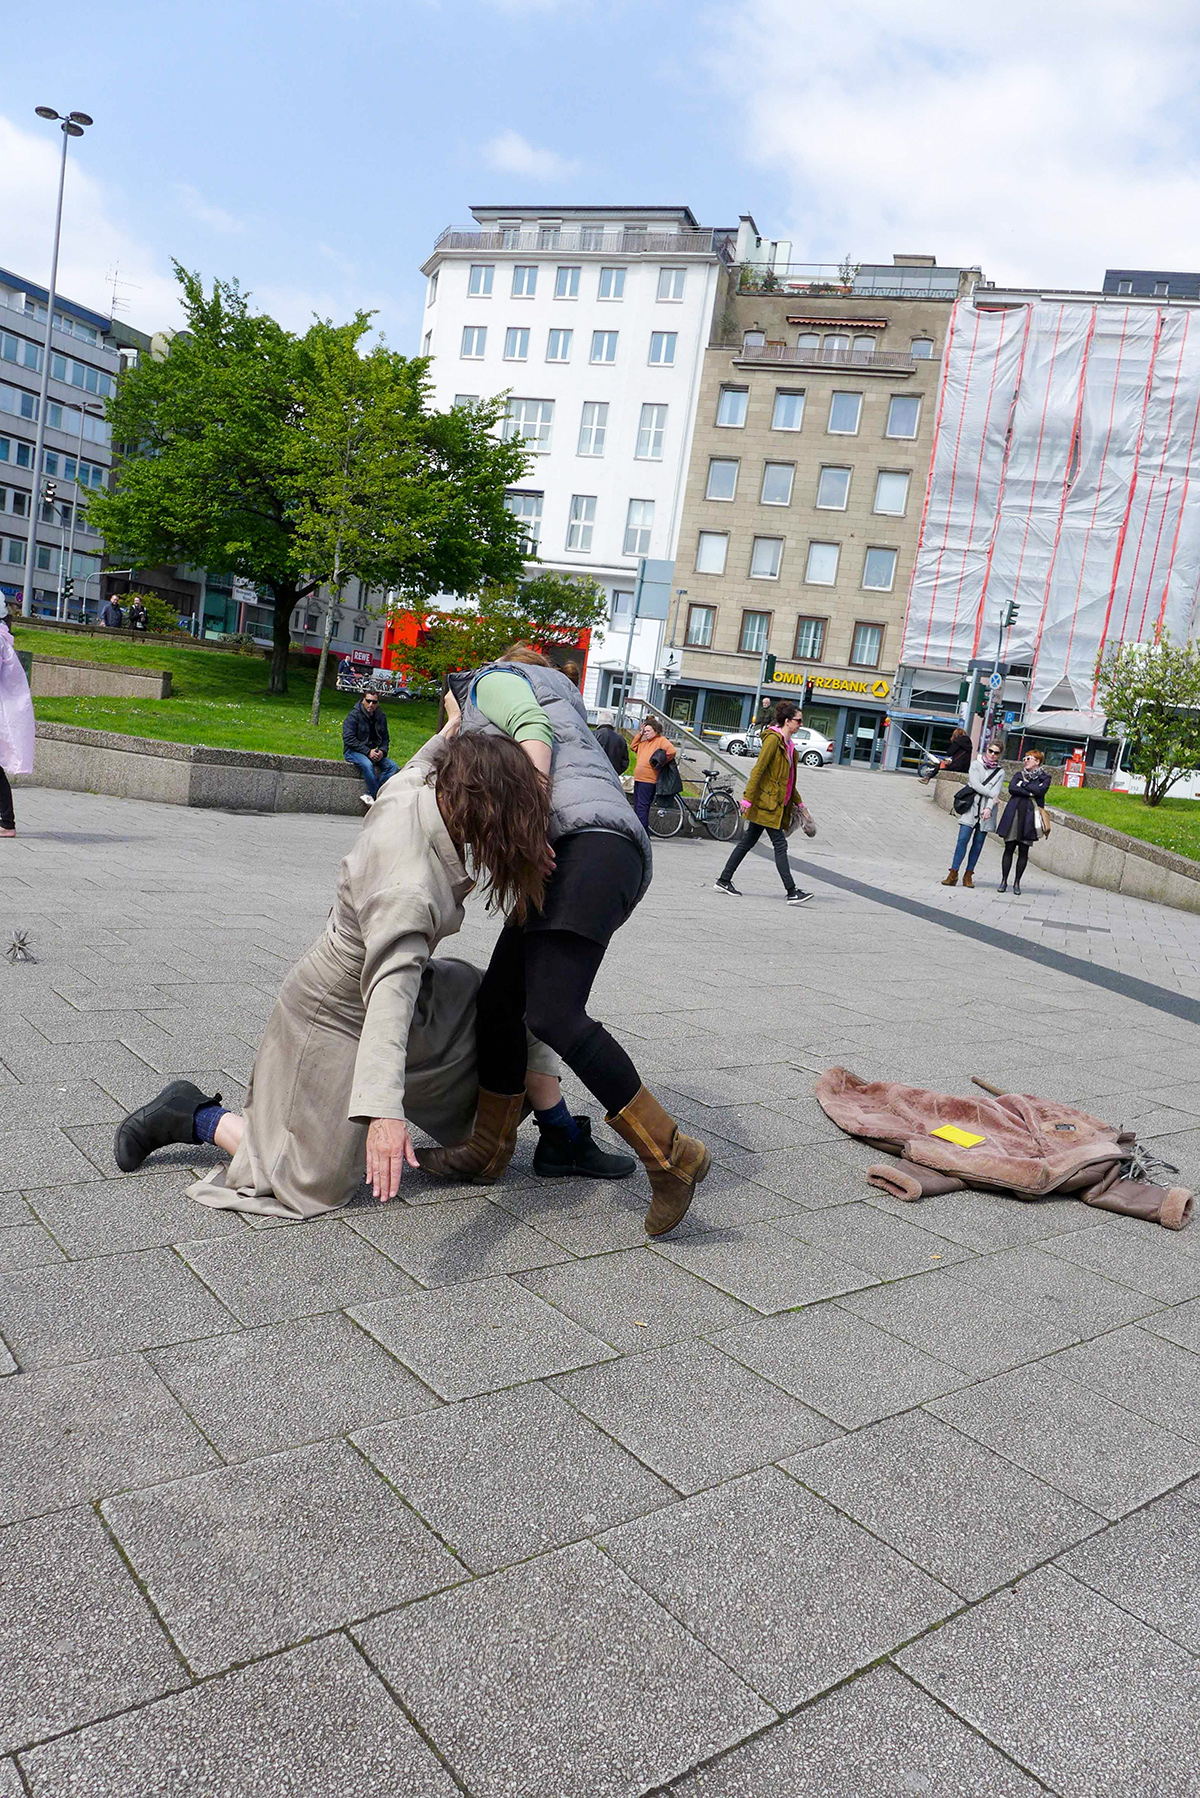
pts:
[365, 744]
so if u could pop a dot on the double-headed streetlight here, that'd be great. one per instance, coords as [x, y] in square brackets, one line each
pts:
[72, 126]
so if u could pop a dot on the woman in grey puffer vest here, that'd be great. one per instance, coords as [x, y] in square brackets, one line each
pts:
[541, 971]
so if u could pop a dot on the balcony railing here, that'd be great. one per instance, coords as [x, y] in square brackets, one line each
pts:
[587, 240]
[816, 280]
[787, 355]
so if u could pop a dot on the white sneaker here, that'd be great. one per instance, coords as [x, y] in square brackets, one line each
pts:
[366, 799]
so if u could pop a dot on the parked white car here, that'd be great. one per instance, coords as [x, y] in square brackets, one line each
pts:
[814, 750]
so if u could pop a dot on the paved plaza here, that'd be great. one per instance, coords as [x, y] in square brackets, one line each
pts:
[824, 1496]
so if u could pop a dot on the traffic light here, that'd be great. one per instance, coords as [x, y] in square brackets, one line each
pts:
[1010, 617]
[49, 489]
[806, 697]
[69, 588]
[769, 669]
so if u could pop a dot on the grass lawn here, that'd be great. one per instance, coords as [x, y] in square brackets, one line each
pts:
[217, 700]
[1175, 824]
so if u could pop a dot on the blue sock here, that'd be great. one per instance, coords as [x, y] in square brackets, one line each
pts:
[205, 1121]
[558, 1119]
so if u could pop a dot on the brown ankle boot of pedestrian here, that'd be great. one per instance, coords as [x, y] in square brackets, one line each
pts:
[675, 1163]
[968, 879]
[484, 1157]
[951, 879]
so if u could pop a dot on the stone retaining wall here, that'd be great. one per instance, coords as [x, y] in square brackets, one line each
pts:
[58, 677]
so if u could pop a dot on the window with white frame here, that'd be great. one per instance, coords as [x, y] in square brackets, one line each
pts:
[620, 611]
[1124, 286]
[604, 346]
[593, 427]
[524, 280]
[722, 478]
[765, 558]
[866, 646]
[516, 344]
[639, 523]
[701, 621]
[479, 281]
[431, 294]
[532, 420]
[808, 342]
[466, 400]
[810, 639]
[777, 484]
[566, 284]
[836, 347]
[821, 568]
[845, 414]
[670, 283]
[612, 284]
[753, 340]
[528, 508]
[427, 344]
[581, 521]
[756, 628]
[863, 349]
[904, 415]
[731, 406]
[474, 341]
[1161, 289]
[891, 493]
[558, 346]
[921, 349]
[879, 570]
[788, 413]
[712, 547]
[833, 489]
[652, 428]
[662, 348]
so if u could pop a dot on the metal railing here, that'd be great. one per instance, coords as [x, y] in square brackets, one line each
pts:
[790, 356]
[588, 239]
[694, 753]
[817, 279]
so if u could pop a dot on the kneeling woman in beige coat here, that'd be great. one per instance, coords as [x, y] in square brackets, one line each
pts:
[369, 1033]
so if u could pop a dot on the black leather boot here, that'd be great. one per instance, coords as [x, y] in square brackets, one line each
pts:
[166, 1119]
[557, 1157]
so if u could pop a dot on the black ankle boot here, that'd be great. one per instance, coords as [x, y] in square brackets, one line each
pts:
[557, 1157]
[167, 1119]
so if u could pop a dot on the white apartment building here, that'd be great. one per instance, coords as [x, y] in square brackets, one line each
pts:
[594, 320]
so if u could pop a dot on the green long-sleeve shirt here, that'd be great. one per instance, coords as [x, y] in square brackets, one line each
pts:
[507, 701]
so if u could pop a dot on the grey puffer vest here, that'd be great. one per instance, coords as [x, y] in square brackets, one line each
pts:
[586, 793]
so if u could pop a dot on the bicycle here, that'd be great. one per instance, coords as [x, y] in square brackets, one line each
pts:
[716, 810]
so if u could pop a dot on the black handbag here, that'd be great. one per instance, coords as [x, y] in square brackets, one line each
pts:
[669, 784]
[963, 800]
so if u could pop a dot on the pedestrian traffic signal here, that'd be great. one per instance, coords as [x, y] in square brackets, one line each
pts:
[769, 669]
[1010, 617]
[806, 696]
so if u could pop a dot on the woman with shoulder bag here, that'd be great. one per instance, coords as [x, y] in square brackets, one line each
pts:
[771, 802]
[973, 807]
[1019, 824]
[648, 742]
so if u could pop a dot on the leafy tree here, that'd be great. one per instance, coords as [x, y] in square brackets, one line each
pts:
[549, 610]
[1151, 693]
[296, 460]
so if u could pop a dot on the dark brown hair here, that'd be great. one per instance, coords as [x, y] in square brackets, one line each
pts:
[496, 806]
[784, 709]
[525, 652]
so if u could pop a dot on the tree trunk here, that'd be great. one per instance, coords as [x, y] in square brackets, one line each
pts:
[285, 605]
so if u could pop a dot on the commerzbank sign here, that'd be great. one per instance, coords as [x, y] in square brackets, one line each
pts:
[834, 683]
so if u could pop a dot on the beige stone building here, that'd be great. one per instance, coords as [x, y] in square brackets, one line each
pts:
[804, 493]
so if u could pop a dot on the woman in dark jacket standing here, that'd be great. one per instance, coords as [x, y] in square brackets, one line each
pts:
[957, 762]
[1019, 823]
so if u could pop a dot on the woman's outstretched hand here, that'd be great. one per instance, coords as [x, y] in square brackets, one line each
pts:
[453, 716]
[389, 1146]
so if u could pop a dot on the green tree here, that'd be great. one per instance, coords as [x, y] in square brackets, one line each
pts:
[250, 449]
[1151, 694]
[548, 609]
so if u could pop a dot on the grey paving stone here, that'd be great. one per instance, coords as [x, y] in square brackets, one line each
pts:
[178, 1046]
[1097, 1452]
[596, 1232]
[110, 1065]
[1057, 1290]
[1156, 1378]
[1149, 1564]
[727, 1201]
[756, 1127]
[636, 1300]
[510, 1475]
[61, 1023]
[955, 1323]
[1181, 1324]
[956, 1509]
[874, 1240]
[14, 1211]
[1145, 1256]
[106, 1217]
[560, 1679]
[27, 1245]
[49, 1103]
[77, 1639]
[76, 1433]
[1088, 1698]
[314, 1721]
[7, 1364]
[880, 1735]
[764, 1267]
[983, 1220]
[95, 1144]
[265, 1276]
[38, 1157]
[251, 1558]
[88, 1309]
[10, 1781]
[255, 1392]
[459, 1239]
[692, 1414]
[732, 1564]
[828, 1171]
[479, 1337]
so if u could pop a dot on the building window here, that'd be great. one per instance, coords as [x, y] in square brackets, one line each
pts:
[310, 621]
[379, 639]
[479, 281]
[427, 344]
[1124, 286]
[845, 413]
[662, 348]
[756, 626]
[822, 566]
[731, 406]
[711, 550]
[789, 409]
[722, 478]
[638, 525]
[810, 639]
[904, 415]
[833, 489]
[524, 281]
[651, 430]
[474, 341]
[431, 295]
[360, 633]
[765, 558]
[549, 237]
[592, 427]
[866, 646]
[583, 517]
[516, 344]
[921, 349]
[808, 343]
[670, 283]
[753, 340]
[604, 346]
[836, 347]
[1161, 289]
[612, 284]
[879, 570]
[864, 349]
[891, 493]
[532, 420]
[700, 623]
[466, 400]
[566, 284]
[620, 612]
[528, 508]
[777, 484]
[558, 346]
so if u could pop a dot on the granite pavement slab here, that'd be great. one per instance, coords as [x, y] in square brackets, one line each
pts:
[984, 1220]
[49, 1103]
[38, 1157]
[959, 1324]
[1180, 1324]
[1141, 1370]
[1161, 1263]
[27, 1245]
[87, 1309]
[764, 1266]
[875, 1240]
[1059, 1291]
[458, 1239]
[264, 1276]
[108, 1217]
[1149, 1564]
[635, 1299]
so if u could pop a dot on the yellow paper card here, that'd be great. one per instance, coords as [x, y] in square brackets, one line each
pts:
[952, 1133]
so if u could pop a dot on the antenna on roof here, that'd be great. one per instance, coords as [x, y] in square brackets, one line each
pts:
[117, 302]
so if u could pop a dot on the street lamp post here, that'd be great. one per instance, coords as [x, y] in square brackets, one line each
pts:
[72, 126]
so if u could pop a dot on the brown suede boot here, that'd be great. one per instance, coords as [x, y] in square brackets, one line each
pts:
[675, 1163]
[968, 879]
[951, 879]
[484, 1157]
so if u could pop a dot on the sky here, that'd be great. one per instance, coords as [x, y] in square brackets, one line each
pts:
[313, 149]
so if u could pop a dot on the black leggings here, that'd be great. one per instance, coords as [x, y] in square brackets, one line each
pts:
[7, 819]
[1022, 850]
[541, 979]
[778, 844]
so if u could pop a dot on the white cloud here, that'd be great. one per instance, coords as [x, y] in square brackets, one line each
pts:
[512, 154]
[198, 208]
[1046, 140]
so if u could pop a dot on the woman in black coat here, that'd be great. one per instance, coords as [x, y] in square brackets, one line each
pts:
[958, 761]
[1018, 824]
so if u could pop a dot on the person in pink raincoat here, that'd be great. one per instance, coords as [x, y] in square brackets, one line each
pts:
[16, 723]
